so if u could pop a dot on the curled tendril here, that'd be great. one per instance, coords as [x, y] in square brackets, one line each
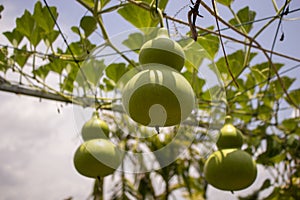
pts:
[156, 13]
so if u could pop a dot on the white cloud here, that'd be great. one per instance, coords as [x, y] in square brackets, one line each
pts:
[36, 151]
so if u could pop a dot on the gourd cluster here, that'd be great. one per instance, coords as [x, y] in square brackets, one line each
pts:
[158, 95]
[97, 156]
[230, 168]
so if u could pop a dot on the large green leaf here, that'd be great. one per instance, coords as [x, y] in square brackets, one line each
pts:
[236, 65]
[14, 37]
[244, 19]
[36, 36]
[194, 54]
[210, 43]
[21, 56]
[195, 82]
[88, 24]
[108, 85]
[68, 82]
[25, 24]
[115, 71]
[264, 112]
[43, 17]
[261, 71]
[57, 66]
[90, 72]
[294, 95]
[140, 17]
[134, 41]
[289, 125]
[274, 151]
[42, 71]
[276, 88]
[80, 49]
[50, 37]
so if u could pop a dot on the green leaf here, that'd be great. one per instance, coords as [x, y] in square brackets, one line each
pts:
[76, 30]
[90, 72]
[88, 24]
[57, 66]
[195, 82]
[276, 88]
[274, 152]
[115, 71]
[245, 19]
[77, 49]
[292, 142]
[104, 2]
[21, 56]
[278, 158]
[225, 2]
[210, 43]
[68, 83]
[25, 24]
[43, 17]
[134, 41]
[194, 54]
[81, 48]
[42, 71]
[258, 75]
[14, 37]
[294, 95]
[137, 16]
[265, 68]
[109, 85]
[260, 72]
[236, 64]
[36, 36]
[288, 125]
[4, 59]
[274, 145]
[50, 37]
[264, 113]
[89, 3]
[140, 17]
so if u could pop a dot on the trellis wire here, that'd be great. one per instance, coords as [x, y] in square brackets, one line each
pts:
[202, 34]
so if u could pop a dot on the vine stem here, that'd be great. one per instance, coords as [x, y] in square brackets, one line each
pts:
[207, 31]
[222, 44]
[99, 19]
[100, 187]
[264, 52]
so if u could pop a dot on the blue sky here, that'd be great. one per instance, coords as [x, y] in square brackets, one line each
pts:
[37, 143]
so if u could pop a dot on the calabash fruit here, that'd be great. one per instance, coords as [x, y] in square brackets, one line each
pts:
[158, 96]
[162, 50]
[97, 158]
[230, 169]
[94, 128]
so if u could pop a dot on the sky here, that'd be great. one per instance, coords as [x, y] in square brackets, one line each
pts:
[37, 142]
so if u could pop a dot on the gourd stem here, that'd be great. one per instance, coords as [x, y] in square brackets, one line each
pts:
[95, 114]
[228, 119]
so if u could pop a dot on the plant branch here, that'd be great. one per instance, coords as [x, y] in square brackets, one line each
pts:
[222, 44]
[264, 52]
